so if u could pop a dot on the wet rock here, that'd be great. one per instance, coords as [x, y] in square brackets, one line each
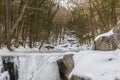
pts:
[66, 65]
[75, 77]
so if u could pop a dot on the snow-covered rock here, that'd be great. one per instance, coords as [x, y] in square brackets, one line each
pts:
[108, 41]
[105, 43]
[105, 35]
[97, 65]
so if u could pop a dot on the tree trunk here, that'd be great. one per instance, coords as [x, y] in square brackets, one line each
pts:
[7, 24]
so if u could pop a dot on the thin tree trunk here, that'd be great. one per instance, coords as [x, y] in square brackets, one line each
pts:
[8, 24]
[113, 13]
[101, 17]
[18, 20]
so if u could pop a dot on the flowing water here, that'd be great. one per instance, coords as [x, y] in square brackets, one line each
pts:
[30, 67]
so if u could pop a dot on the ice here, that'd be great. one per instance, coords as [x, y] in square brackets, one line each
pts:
[4, 76]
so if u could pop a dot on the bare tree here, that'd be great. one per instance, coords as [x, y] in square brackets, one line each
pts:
[8, 23]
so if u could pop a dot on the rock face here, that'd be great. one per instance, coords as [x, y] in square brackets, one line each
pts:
[108, 43]
[74, 77]
[66, 64]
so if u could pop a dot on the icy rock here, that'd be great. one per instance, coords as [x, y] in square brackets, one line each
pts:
[66, 65]
[75, 77]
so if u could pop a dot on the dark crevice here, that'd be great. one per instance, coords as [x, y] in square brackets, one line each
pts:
[9, 65]
[62, 70]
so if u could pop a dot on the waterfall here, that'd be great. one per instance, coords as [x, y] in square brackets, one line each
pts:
[48, 71]
[40, 67]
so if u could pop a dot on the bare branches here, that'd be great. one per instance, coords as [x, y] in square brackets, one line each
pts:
[18, 20]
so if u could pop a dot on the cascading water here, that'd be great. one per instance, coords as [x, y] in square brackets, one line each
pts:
[40, 67]
[48, 71]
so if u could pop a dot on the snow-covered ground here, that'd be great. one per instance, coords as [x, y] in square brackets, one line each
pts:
[98, 65]
[63, 48]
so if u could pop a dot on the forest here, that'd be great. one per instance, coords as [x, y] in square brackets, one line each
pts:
[28, 22]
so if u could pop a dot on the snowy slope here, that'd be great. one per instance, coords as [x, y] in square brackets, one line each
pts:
[98, 65]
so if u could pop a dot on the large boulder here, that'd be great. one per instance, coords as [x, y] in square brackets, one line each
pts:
[105, 44]
[108, 41]
[75, 77]
[66, 65]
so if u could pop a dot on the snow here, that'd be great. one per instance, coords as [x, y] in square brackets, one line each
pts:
[4, 76]
[97, 65]
[104, 34]
[57, 49]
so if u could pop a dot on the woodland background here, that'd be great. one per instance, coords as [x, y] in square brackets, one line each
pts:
[49, 21]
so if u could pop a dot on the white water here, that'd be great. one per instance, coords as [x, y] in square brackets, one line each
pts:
[33, 67]
[48, 71]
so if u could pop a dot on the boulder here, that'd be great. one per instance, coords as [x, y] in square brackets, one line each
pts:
[66, 65]
[75, 77]
[108, 41]
[105, 44]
